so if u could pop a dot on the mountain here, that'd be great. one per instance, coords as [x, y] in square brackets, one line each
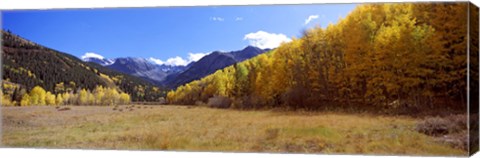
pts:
[28, 64]
[144, 68]
[211, 63]
[131, 65]
[247, 53]
[139, 67]
[173, 68]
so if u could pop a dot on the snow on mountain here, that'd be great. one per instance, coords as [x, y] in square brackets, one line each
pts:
[96, 58]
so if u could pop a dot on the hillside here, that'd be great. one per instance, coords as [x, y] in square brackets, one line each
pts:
[28, 64]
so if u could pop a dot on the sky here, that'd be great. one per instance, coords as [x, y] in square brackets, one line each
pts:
[168, 35]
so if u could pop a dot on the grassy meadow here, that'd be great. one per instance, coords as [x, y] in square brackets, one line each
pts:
[188, 128]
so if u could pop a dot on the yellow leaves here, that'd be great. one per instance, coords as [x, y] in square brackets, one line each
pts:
[171, 97]
[109, 81]
[59, 87]
[83, 97]
[50, 99]
[124, 98]
[111, 96]
[59, 99]
[37, 96]
[99, 96]
[25, 100]
[379, 53]
[6, 101]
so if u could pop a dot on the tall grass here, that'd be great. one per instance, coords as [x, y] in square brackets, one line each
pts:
[182, 128]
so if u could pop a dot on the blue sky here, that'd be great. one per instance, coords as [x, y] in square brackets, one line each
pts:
[172, 35]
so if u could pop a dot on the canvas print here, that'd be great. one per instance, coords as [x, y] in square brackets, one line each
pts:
[361, 79]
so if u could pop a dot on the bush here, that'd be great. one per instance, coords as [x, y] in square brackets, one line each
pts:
[459, 122]
[436, 126]
[238, 104]
[219, 102]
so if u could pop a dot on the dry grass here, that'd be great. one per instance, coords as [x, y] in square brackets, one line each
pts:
[204, 129]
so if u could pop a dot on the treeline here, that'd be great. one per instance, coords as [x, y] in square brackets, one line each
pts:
[381, 56]
[38, 96]
[29, 64]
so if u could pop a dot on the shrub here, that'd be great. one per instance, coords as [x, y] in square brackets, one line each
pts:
[459, 122]
[238, 104]
[436, 126]
[219, 102]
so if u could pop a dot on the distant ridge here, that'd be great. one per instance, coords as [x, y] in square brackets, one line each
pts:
[211, 63]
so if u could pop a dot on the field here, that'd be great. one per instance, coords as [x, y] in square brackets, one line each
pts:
[187, 128]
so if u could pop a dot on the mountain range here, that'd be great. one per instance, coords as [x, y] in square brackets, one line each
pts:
[172, 76]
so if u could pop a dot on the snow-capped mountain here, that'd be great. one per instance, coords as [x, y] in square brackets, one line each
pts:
[144, 68]
[96, 58]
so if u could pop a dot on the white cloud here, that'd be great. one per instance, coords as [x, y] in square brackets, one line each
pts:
[238, 18]
[156, 61]
[264, 39]
[177, 61]
[92, 55]
[196, 56]
[310, 18]
[217, 18]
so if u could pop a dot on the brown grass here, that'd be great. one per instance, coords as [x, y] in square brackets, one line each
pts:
[185, 128]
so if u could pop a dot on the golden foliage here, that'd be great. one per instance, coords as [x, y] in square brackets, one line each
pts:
[408, 54]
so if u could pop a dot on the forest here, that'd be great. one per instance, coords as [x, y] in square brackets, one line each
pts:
[398, 57]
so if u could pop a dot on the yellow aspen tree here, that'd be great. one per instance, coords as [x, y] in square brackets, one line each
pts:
[124, 98]
[25, 100]
[59, 99]
[50, 98]
[82, 97]
[99, 93]
[37, 96]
